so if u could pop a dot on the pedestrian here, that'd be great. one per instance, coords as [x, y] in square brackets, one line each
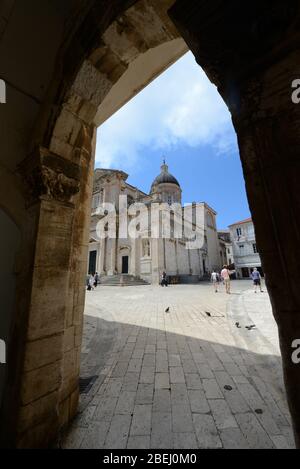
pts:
[256, 277]
[225, 274]
[215, 280]
[96, 279]
[91, 282]
[164, 280]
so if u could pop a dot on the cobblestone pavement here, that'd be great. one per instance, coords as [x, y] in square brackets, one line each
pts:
[181, 379]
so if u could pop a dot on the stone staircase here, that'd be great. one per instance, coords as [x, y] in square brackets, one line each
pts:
[122, 280]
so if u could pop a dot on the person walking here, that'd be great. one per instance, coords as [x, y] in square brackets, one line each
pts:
[96, 279]
[225, 274]
[91, 282]
[215, 280]
[256, 277]
[164, 281]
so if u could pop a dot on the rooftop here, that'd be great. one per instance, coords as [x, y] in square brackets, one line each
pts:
[248, 220]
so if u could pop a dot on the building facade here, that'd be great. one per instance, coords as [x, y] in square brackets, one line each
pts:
[226, 248]
[147, 256]
[245, 251]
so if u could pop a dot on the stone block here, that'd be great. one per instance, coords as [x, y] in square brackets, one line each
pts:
[38, 411]
[43, 352]
[40, 382]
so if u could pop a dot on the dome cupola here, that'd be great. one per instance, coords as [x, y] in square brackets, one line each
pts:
[165, 187]
[164, 178]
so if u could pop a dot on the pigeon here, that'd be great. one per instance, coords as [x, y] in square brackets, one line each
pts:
[251, 327]
[227, 388]
[211, 316]
[167, 310]
[238, 325]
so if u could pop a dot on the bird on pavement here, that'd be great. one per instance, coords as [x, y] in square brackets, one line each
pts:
[167, 310]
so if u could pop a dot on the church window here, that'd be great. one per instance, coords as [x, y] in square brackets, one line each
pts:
[169, 199]
[101, 198]
[96, 201]
[146, 248]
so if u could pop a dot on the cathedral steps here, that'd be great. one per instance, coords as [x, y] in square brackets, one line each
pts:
[122, 280]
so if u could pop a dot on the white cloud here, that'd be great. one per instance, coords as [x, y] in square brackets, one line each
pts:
[179, 107]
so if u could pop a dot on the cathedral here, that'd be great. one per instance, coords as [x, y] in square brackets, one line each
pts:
[145, 257]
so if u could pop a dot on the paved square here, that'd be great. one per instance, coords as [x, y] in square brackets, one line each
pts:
[183, 379]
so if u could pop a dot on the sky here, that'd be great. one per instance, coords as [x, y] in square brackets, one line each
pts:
[180, 117]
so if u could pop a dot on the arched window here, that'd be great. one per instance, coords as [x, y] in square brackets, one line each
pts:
[210, 220]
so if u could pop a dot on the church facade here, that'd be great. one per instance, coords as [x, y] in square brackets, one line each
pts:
[172, 247]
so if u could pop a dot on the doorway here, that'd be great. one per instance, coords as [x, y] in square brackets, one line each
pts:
[125, 264]
[92, 262]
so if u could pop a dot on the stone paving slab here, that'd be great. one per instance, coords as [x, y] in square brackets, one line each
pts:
[181, 380]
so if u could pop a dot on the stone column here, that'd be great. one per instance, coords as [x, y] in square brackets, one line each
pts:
[100, 257]
[253, 58]
[190, 264]
[176, 256]
[155, 255]
[112, 252]
[132, 267]
[36, 359]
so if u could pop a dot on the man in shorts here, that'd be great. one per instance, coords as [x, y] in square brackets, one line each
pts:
[225, 274]
[256, 277]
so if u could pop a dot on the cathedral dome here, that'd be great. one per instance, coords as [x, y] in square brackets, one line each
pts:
[164, 178]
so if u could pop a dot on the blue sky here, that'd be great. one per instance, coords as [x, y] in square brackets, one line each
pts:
[179, 116]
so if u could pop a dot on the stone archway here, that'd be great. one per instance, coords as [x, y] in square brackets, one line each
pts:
[254, 76]
[10, 238]
[57, 176]
[98, 49]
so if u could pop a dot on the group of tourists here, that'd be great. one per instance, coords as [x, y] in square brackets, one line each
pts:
[92, 281]
[225, 277]
[222, 277]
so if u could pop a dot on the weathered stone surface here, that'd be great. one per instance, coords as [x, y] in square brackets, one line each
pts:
[40, 382]
[43, 352]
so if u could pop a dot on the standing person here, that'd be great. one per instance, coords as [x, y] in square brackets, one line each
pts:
[256, 277]
[164, 281]
[225, 274]
[215, 280]
[91, 282]
[96, 279]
